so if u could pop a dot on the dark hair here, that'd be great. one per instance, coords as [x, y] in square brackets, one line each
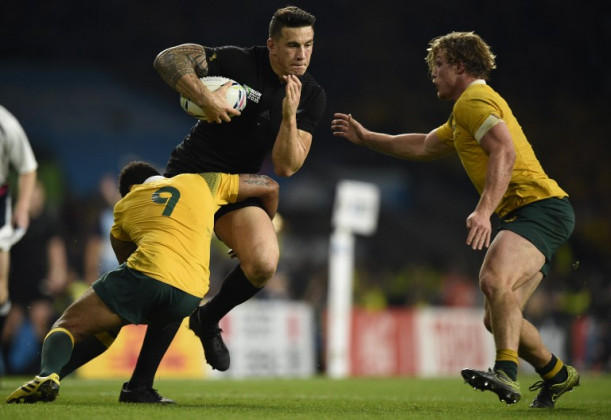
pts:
[289, 17]
[466, 47]
[135, 173]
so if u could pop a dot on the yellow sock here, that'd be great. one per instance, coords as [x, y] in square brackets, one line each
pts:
[507, 355]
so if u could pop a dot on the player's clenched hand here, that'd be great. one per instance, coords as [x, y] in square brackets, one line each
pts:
[216, 108]
[479, 230]
[343, 125]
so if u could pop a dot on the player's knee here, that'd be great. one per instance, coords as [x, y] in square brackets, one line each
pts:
[259, 272]
[489, 285]
[71, 327]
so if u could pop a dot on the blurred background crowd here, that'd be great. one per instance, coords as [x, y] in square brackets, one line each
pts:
[79, 78]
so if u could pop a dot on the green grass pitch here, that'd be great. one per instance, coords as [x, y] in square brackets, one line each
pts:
[316, 398]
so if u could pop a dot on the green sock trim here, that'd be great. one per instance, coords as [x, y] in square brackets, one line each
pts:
[510, 368]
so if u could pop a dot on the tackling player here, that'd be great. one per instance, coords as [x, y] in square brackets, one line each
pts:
[161, 236]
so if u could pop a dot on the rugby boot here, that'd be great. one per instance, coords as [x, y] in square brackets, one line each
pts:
[142, 395]
[215, 350]
[41, 388]
[551, 391]
[496, 381]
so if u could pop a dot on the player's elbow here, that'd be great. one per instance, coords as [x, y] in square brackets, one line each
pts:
[425, 155]
[269, 187]
[511, 156]
[285, 170]
[158, 61]
[284, 173]
[272, 186]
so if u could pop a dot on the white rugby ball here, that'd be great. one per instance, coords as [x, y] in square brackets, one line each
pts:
[236, 95]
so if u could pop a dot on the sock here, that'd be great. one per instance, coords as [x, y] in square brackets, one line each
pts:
[88, 349]
[155, 344]
[236, 289]
[56, 351]
[554, 371]
[507, 361]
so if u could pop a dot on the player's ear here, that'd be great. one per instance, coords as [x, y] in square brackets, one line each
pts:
[271, 45]
[460, 67]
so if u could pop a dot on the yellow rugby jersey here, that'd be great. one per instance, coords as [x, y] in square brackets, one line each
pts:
[477, 110]
[171, 220]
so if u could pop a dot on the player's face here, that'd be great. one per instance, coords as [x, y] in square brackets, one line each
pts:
[445, 77]
[291, 52]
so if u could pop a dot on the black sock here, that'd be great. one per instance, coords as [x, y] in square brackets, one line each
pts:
[546, 370]
[236, 289]
[155, 344]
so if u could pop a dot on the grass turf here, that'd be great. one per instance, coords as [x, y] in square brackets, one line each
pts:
[316, 398]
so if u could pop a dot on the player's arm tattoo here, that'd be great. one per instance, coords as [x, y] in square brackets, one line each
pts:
[175, 62]
[255, 179]
[263, 187]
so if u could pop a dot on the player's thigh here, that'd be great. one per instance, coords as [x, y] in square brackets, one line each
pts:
[88, 315]
[511, 261]
[248, 231]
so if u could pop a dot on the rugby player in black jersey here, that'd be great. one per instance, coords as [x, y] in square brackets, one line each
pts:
[284, 106]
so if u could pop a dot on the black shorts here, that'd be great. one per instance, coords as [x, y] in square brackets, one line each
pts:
[141, 299]
[547, 224]
[223, 210]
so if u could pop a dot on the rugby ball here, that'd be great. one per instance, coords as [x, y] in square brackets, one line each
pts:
[236, 95]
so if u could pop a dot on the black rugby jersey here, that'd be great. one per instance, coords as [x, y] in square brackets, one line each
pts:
[242, 145]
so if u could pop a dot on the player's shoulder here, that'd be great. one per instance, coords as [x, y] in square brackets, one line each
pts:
[185, 178]
[6, 117]
[475, 96]
[478, 91]
[235, 51]
[308, 80]
[310, 88]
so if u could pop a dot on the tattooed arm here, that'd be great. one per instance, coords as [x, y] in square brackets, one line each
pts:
[181, 67]
[262, 187]
[175, 62]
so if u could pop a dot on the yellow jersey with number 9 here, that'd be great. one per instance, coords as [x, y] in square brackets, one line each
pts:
[171, 221]
[477, 110]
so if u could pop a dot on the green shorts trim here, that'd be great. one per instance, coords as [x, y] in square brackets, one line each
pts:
[140, 299]
[547, 224]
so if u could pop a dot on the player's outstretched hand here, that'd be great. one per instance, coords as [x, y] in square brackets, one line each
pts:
[343, 125]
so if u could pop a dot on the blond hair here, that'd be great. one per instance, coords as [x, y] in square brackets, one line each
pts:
[464, 47]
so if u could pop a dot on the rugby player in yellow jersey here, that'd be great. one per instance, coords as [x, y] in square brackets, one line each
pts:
[161, 236]
[535, 214]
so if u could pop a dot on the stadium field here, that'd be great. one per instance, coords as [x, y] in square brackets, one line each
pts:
[318, 398]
